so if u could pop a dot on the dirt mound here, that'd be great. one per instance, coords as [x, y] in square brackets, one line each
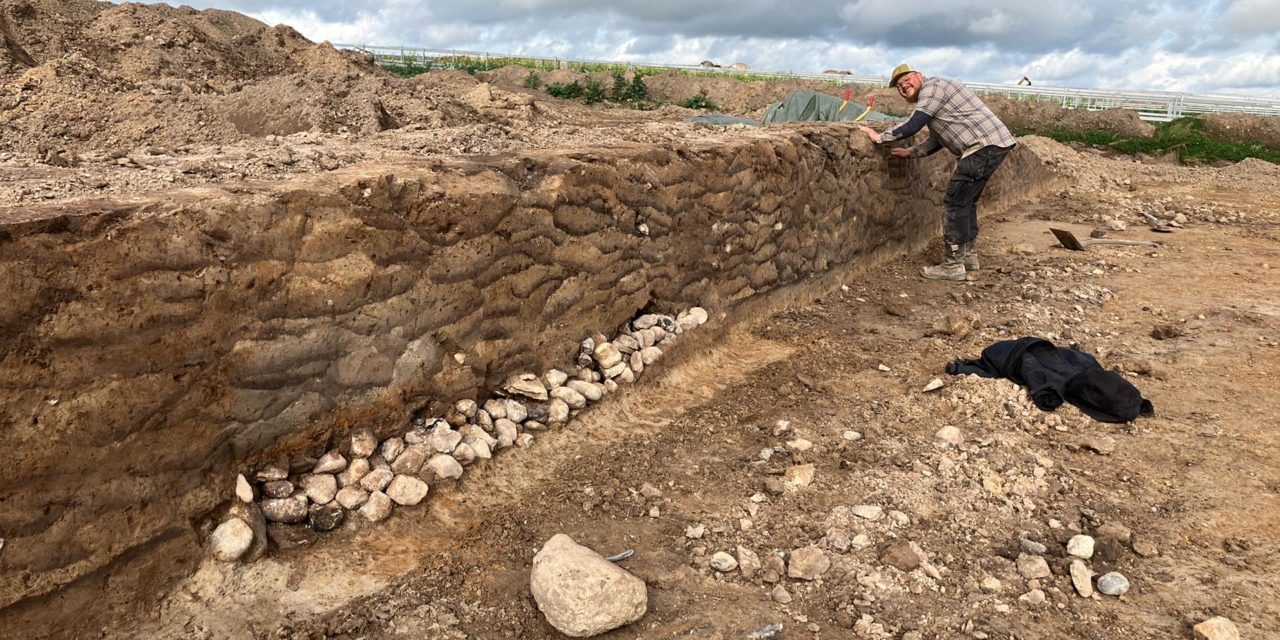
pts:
[80, 75]
[1239, 127]
[1020, 115]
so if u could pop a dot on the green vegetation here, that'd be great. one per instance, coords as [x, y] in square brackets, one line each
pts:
[594, 92]
[1185, 136]
[567, 91]
[700, 101]
[532, 81]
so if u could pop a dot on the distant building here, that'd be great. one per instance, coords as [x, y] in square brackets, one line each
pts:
[740, 65]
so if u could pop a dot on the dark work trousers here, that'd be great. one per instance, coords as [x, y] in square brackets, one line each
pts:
[960, 218]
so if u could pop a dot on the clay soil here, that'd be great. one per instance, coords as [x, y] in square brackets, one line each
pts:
[1196, 488]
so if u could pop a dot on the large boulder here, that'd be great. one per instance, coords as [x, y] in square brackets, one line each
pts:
[582, 594]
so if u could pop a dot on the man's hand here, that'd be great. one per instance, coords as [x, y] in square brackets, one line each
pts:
[871, 133]
[900, 152]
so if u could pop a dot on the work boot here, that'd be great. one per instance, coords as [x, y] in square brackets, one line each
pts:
[951, 267]
[969, 255]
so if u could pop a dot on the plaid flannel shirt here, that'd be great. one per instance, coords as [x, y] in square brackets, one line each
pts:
[961, 122]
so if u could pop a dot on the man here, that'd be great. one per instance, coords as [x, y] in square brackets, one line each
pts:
[959, 121]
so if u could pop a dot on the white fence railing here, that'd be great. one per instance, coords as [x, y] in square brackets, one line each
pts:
[1157, 106]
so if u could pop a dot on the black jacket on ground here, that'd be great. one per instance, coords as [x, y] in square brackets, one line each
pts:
[1053, 374]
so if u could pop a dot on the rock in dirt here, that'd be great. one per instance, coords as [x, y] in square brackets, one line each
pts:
[748, 562]
[326, 517]
[410, 460]
[377, 508]
[392, 448]
[1218, 628]
[1113, 584]
[407, 491]
[230, 540]
[1031, 546]
[933, 385]
[377, 480]
[582, 594]
[443, 466]
[950, 435]
[808, 563]
[355, 471]
[769, 632]
[1033, 567]
[780, 595]
[868, 511]
[900, 554]
[723, 562]
[1099, 444]
[695, 532]
[591, 391]
[570, 397]
[1082, 578]
[244, 491]
[363, 443]
[351, 497]
[278, 489]
[443, 439]
[331, 462]
[798, 476]
[1080, 546]
[286, 510]
[527, 385]
[320, 487]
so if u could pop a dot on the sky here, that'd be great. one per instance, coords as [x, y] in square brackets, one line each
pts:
[1214, 46]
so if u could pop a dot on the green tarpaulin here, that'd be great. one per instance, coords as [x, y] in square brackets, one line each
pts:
[799, 105]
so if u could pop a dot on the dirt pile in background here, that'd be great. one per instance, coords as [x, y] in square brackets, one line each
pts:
[1241, 127]
[82, 75]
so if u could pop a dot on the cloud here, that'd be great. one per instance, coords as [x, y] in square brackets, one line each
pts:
[1182, 45]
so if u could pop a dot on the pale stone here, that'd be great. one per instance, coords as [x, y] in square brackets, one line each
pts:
[748, 562]
[723, 562]
[592, 391]
[467, 407]
[392, 448]
[700, 314]
[992, 585]
[407, 491]
[868, 511]
[626, 376]
[377, 480]
[808, 563]
[570, 397]
[524, 440]
[377, 508]
[1033, 597]
[331, 462]
[1113, 584]
[616, 370]
[482, 450]
[495, 408]
[363, 443]
[636, 362]
[410, 460]
[320, 487]
[626, 343]
[798, 477]
[1033, 567]
[351, 497]
[1080, 546]
[443, 466]
[557, 412]
[1082, 578]
[230, 540]
[607, 355]
[582, 594]
[516, 411]
[527, 385]
[780, 595]
[244, 491]
[443, 439]
[464, 454]
[287, 510]
[357, 469]
[950, 435]
[1218, 628]
[933, 385]
[555, 378]
[695, 532]
[645, 321]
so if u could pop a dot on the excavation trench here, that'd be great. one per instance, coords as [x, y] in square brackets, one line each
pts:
[152, 347]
